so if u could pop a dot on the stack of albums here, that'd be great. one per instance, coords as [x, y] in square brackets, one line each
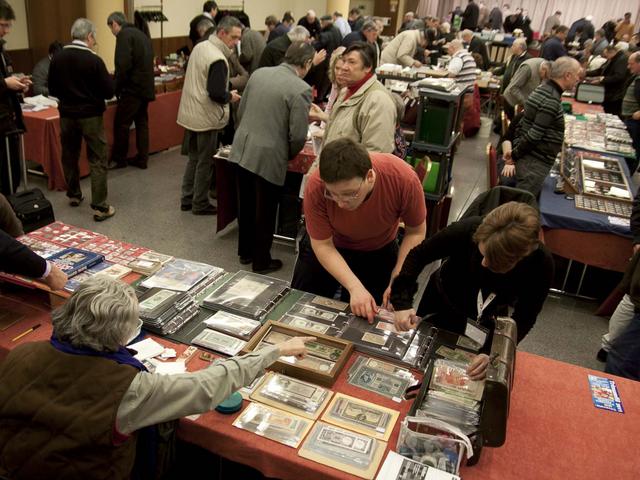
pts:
[452, 396]
[248, 294]
[333, 317]
[165, 311]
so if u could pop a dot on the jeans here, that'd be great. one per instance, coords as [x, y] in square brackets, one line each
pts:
[130, 109]
[624, 357]
[619, 321]
[530, 174]
[72, 131]
[200, 147]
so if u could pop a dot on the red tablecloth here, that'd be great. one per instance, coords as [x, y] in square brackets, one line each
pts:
[580, 108]
[554, 431]
[226, 184]
[42, 140]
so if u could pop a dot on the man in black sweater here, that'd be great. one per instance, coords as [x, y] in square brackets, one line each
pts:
[18, 259]
[540, 133]
[311, 23]
[135, 88]
[613, 75]
[488, 263]
[79, 79]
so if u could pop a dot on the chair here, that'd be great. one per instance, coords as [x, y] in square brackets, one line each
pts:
[496, 196]
[492, 166]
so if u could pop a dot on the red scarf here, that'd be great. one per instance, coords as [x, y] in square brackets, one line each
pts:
[356, 86]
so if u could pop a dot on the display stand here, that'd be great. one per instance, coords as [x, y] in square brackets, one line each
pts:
[437, 132]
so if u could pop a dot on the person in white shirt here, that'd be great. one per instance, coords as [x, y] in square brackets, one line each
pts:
[341, 24]
[462, 67]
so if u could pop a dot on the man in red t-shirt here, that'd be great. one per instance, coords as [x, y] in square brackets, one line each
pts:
[353, 205]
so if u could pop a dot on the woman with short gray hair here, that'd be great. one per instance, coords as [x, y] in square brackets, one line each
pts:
[74, 405]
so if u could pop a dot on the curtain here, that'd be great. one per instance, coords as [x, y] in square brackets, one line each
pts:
[539, 10]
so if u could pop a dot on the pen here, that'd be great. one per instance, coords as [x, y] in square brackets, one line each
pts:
[26, 332]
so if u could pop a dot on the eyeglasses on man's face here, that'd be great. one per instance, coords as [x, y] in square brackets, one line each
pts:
[344, 197]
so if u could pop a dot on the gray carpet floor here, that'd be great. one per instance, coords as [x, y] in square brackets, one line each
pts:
[148, 213]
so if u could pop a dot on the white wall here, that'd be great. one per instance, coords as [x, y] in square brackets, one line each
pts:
[18, 39]
[180, 12]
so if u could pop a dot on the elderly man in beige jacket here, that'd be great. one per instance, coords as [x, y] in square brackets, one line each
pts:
[403, 47]
[364, 111]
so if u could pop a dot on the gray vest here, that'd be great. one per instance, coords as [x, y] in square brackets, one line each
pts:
[630, 103]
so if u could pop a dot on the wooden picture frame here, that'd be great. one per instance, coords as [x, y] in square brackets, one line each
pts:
[303, 369]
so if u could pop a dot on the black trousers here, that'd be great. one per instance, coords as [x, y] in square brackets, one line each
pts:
[130, 109]
[9, 164]
[613, 107]
[257, 208]
[372, 268]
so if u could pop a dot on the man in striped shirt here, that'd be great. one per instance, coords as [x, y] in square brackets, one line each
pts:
[462, 67]
[540, 134]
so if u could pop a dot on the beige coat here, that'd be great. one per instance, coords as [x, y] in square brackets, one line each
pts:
[402, 48]
[197, 112]
[375, 120]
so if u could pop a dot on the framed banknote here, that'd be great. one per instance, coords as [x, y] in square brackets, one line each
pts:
[343, 449]
[325, 360]
[292, 395]
[275, 424]
[360, 416]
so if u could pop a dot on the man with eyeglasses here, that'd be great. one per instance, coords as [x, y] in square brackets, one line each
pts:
[353, 205]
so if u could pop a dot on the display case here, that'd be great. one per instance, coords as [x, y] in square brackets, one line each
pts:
[326, 358]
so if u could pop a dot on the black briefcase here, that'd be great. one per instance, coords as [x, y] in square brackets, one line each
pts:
[32, 209]
[30, 205]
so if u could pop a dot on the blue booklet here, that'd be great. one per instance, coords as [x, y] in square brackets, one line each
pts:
[72, 261]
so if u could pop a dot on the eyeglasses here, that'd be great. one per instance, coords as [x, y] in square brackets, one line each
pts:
[344, 197]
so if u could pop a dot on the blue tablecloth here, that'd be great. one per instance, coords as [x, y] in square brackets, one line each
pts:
[556, 211]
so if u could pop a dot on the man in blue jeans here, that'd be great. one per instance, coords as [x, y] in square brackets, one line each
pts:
[624, 356]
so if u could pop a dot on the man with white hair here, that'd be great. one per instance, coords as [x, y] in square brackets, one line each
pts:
[91, 396]
[403, 47]
[273, 53]
[540, 133]
[529, 75]
[519, 54]
[311, 23]
[476, 45]
[462, 67]
[613, 76]
[80, 80]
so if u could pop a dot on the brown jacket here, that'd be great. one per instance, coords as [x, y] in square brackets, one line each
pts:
[57, 415]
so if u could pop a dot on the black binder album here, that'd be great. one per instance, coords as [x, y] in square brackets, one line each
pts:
[248, 294]
[165, 311]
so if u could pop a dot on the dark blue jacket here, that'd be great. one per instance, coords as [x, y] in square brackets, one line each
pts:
[553, 49]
